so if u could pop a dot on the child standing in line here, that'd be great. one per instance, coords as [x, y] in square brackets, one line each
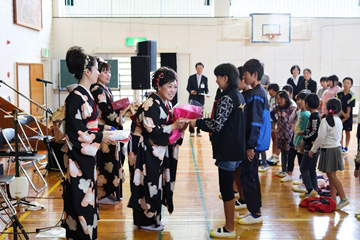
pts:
[227, 135]
[329, 136]
[258, 135]
[324, 85]
[284, 131]
[333, 81]
[357, 157]
[308, 164]
[300, 116]
[273, 88]
[347, 98]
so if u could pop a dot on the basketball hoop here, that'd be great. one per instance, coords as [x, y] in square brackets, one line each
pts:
[271, 37]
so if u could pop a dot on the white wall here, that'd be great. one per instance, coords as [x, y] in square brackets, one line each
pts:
[25, 44]
[332, 49]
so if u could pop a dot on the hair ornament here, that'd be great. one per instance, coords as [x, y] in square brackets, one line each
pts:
[160, 76]
[331, 111]
[87, 60]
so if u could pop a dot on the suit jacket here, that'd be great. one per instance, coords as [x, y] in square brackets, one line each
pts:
[296, 90]
[193, 85]
[312, 85]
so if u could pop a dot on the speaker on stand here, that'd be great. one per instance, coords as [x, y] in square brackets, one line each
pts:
[148, 48]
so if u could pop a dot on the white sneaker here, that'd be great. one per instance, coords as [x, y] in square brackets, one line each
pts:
[239, 206]
[243, 216]
[281, 174]
[250, 220]
[199, 135]
[313, 193]
[297, 182]
[192, 135]
[342, 204]
[300, 188]
[263, 169]
[287, 178]
[222, 233]
[153, 228]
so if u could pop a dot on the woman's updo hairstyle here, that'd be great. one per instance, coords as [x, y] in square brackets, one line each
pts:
[162, 76]
[77, 61]
[334, 107]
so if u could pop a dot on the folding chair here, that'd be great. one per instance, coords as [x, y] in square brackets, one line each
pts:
[9, 135]
[28, 119]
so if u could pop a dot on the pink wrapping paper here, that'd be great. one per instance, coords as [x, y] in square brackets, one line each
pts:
[186, 112]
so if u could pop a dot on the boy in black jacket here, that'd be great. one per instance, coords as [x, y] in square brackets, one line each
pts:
[227, 135]
[258, 135]
[308, 164]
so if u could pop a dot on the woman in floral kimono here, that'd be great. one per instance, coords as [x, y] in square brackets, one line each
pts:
[80, 188]
[109, 166]
[153, 159]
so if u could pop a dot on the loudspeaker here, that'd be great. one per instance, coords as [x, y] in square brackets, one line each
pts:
[140, 72]
[148, 48]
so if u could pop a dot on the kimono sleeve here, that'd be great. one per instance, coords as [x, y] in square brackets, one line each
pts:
[80, 137]
[108, 114]
[152, 121]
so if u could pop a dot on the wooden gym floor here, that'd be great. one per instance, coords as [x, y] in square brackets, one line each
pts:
[198, 207]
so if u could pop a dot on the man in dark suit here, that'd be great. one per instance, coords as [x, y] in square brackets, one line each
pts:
[197, 87]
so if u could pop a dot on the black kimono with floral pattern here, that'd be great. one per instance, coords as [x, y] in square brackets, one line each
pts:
[109, 166]
[80, 200]
[156, 162]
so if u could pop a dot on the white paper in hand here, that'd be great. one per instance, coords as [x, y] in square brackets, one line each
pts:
[118, 135]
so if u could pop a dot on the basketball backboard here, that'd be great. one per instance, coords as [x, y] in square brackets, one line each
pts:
[270, 27]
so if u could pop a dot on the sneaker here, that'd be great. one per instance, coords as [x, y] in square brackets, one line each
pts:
[239, 205]
[281, 174]
[357, 157]
[153, 227]
[300, 188]
[313, 193]
[243, 216]
[357, 215]
[199, 135]
[250, 220]
[192, 135]
[297, 182]
[342, 204]
[222, 233]
[287, 178]
[263, 169]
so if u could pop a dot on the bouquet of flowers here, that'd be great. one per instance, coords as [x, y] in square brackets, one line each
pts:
[185, 112]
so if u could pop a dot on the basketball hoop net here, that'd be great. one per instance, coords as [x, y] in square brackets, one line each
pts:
[271, 37]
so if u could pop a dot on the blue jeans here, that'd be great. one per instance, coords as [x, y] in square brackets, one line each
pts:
[308, 170]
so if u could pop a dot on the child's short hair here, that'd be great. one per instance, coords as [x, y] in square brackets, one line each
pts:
[350, 79]
[334, 107]
[254, 65]
[285, 95]
[312, 100]
[274, 86]
[241, 73]
[303, 94]
[323, 79]
[288, 88]
[229, 70]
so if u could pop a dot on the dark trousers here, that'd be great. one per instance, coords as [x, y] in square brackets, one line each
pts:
[308, 170]
[251, 184]
[192, 130]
